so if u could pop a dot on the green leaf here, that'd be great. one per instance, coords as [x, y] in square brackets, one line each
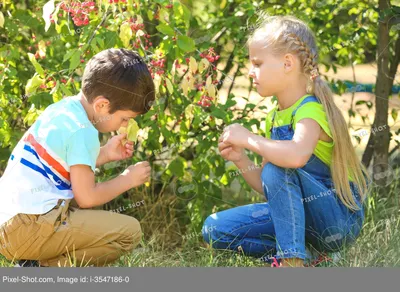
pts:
[100, 41]
[394, 114]
[165, 29]
[187, 15]
[218, 113]
[186, 43]
[35, 64]
[66, 91]
[169, 86]
[33, 84]
[75, 59]
[150, 14]
[1, 19]
[229, 103]
[177, 167]
[69, 55]
[125, 33]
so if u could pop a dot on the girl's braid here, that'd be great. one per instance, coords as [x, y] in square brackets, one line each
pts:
[310, 60]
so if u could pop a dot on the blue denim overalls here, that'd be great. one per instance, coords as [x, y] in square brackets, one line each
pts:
[302, 209]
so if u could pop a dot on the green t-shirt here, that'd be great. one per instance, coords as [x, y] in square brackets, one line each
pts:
[309, 110]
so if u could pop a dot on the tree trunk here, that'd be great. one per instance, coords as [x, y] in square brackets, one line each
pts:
[383, 90]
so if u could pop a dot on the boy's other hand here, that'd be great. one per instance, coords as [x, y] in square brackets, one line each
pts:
[114, 149]
[138, 174]
[230, 152]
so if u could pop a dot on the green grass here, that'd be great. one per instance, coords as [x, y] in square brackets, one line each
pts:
[377, 246]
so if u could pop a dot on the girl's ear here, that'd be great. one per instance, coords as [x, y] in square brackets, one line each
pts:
[288, 62]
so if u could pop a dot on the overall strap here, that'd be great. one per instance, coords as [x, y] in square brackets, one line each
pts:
[310, 98]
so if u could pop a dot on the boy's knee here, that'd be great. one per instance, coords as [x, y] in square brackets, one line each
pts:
[137, 231]
[134, 233]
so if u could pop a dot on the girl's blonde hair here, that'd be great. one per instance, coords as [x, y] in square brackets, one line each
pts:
[287, 34]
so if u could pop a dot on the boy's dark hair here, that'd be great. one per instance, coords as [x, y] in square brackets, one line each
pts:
[122, 77]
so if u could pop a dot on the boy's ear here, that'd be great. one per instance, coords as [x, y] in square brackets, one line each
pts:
[101, 104]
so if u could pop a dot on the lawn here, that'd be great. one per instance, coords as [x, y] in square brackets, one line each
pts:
[377, 246]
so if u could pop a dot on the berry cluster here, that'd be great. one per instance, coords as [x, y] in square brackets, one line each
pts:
[205, 101]
[136, 27]
[148, 43]
[177, 65]
[210, 55]
[80, 11]
[157, 66]
[37, 55]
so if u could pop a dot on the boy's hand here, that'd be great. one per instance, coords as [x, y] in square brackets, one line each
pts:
[138, 174]
[235, 134]
[114, 149]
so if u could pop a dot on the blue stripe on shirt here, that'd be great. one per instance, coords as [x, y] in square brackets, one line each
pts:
[47, 170]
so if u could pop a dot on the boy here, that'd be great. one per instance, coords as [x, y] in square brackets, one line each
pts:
[51, 171]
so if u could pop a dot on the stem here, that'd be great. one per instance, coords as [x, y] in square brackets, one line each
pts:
[353, 91]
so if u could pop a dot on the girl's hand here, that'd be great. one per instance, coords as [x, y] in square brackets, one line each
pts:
[236, 134]
[114, 149]
[230, 152]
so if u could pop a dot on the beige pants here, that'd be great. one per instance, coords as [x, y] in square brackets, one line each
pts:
[68, 236]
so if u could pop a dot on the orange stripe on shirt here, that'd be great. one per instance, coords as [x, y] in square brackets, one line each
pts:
[46, 157]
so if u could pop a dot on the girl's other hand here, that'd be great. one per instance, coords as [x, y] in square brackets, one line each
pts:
[236, 134]
[230, 152]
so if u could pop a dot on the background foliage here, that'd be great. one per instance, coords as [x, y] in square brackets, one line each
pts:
[195, 50]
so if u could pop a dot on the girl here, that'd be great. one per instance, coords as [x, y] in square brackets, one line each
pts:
[314, 184]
